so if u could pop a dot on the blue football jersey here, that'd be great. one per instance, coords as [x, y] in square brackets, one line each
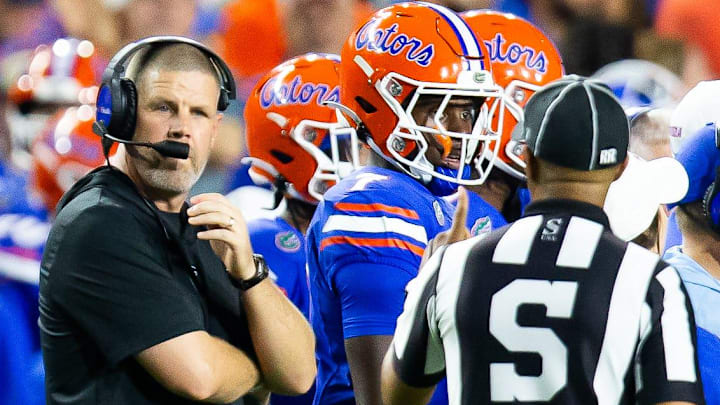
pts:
[364, 244]
[284, 250]
[24, 227]
[482, 217]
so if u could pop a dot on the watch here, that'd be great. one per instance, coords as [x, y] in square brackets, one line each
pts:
[261, 273]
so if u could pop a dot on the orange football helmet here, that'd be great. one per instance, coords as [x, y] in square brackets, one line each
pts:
[65, 151]
[61, 74]
[407, 51]
[57, 76]
[523, 60]
[291, 135]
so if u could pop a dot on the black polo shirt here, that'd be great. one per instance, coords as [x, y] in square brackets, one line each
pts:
[117, 277]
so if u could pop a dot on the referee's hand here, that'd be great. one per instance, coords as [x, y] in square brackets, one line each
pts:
[458, 230]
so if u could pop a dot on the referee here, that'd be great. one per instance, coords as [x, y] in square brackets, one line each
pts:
[553, 308]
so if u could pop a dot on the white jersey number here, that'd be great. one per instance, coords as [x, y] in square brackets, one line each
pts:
[558, 298]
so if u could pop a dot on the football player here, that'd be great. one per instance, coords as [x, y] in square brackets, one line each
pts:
[523, 60]
[57, 76]
[64, 151]
[418, 98]
[296, 144]
[53, 77]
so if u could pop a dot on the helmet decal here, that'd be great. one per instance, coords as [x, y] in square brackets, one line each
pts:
[408, 86]
[295, 141]
[389, 41]
[516, 53]
[296, 92]
[523, 60]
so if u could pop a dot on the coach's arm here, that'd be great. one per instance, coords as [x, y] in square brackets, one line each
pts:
[201, 367]
[282, 338]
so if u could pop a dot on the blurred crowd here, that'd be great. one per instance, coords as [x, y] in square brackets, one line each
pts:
[255, 35]
[53, 53]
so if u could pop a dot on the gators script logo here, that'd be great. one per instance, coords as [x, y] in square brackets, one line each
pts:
[394, 43]
[515, 53]
[296, 92]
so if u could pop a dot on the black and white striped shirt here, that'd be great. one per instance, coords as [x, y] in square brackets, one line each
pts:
[551, 309]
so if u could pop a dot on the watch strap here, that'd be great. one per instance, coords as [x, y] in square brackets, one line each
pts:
[261, 273]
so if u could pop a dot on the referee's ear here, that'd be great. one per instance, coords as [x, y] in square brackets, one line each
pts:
[530, 164]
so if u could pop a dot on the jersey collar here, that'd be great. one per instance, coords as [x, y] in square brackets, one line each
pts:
[557, 206]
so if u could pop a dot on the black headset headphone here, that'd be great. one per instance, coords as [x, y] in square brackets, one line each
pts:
[117, 97]
[711, 199]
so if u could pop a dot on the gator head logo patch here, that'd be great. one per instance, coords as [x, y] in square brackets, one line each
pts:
[481, 226]
[287, 242]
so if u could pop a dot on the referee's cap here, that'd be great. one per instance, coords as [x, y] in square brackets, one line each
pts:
[577, 123]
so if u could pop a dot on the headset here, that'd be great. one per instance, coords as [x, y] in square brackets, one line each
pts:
[711, 199]
[117, 98]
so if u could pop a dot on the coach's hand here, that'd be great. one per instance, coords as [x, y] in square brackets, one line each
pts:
[457, 232]
[227, 232]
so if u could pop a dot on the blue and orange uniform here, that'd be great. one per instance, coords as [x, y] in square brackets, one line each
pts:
[364, 245]
[24, 226]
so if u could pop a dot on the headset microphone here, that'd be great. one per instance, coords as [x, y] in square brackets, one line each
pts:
[177, 150]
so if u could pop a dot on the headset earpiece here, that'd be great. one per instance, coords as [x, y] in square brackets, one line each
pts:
[711, 199]
[711, 205]
[223, 101]
[126, 127]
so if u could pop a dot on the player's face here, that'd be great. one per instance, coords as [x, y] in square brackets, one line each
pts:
[458, 116]
[177, 106]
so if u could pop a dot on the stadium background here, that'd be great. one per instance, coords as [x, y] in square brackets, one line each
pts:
[680, 36]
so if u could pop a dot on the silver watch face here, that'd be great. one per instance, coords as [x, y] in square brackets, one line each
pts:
[260, 265]
[261, 272]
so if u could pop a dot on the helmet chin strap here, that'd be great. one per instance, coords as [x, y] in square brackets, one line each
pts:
[419, 175]
[424, 177]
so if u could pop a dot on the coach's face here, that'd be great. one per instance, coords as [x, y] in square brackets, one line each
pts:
[177, 106]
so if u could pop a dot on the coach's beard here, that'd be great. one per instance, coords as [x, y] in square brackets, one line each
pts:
[169, 174]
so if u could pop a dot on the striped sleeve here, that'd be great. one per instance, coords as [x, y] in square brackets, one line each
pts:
[666, 366]
[372, 233]
[418, 352]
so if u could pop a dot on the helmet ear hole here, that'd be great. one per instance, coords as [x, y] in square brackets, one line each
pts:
[365, 105]
[284, 158]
